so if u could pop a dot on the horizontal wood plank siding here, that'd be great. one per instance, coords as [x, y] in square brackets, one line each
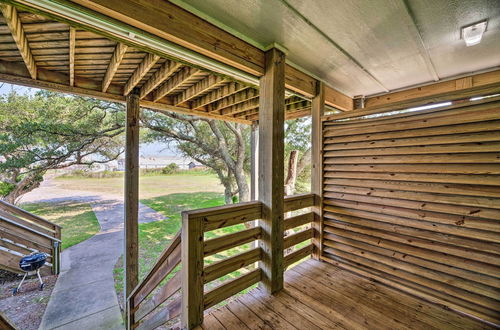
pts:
[414, 198]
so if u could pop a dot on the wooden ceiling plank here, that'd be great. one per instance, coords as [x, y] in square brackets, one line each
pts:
[199, 88]
[218, 94]
[231, 100]
[114, 63]
[72, 42]
[143, 68]
[166, 70]
[16, 29]
[240, 107]
[178, 79]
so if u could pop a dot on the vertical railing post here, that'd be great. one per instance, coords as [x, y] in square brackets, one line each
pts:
[56, 252]
[271, 168]
[131, 200]
[317, 111]
[192, 272]
[254, 161]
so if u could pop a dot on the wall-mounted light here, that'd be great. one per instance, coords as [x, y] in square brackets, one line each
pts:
[472, 34]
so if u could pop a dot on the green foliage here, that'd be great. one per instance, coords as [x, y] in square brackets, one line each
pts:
[6, 188]
[93, 175]
[171, 168]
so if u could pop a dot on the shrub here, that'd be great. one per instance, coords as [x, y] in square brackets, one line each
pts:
[171, 168]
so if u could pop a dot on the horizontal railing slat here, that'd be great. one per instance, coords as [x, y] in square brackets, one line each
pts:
[26, 223]
[298, 254]
[30, 216]
[297, 202]
[165, 314]
[298, 220]
[225, 242]
[228, 265]
[231, 288]
[298, 237]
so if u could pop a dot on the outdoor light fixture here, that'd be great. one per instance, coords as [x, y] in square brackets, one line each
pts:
[472, 34]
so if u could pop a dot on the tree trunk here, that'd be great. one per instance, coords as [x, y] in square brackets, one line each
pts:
[290, 180]
[243, 189]
[27, 184]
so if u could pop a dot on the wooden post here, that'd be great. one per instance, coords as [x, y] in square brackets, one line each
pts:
[271, 168]
[131, 254]
[254, 161]
[317, 111]
[192, 272]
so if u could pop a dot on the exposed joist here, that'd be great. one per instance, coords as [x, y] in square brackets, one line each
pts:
[17, 31]
[72, 43]
[202, 86]
[427, 92]
[116, 60]
[240, 107]
[218, 94]
[231, 100]
[294, 108]
[166, 70]
[143, 68]
[177, 80]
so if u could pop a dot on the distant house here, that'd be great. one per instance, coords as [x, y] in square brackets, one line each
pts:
[193, 165]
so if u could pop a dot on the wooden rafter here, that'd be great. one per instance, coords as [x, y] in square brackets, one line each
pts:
[231, 100]
[199, 88]
[115, 62]
[72, 43]
[218, 94]
[143, 68]
[166, 70]
[178, 79]
[17, 31]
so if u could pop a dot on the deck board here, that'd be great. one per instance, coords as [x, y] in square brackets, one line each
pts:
[323, 296]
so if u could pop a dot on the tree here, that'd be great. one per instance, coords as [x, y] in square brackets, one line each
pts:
[298, 155]
[221, 146]
[47, 131]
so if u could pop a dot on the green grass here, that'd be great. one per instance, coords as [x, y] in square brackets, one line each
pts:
[77, 220]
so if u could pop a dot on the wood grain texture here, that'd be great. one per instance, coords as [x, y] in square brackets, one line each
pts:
[116, 60]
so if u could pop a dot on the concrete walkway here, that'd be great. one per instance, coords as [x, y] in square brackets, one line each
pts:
[84, 296]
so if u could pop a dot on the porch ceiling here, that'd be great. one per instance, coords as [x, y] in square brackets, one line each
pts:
[365, 47]
[59, 57]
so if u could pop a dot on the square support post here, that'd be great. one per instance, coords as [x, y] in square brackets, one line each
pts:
[317, 111]
[131, 248]
[271, 168]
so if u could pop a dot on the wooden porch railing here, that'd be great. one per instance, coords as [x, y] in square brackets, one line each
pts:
[22, 233]
[198, 280]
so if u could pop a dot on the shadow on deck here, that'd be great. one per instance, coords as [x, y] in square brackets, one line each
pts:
[318, 295]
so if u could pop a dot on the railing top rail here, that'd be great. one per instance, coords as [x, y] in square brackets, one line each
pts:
[30, 229]
[173, 244]
[299, 196]
[221, 209]
[19, 211]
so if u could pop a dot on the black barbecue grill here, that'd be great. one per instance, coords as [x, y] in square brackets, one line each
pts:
[31, 264]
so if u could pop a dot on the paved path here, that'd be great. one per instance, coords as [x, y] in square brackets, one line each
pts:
[84, 296]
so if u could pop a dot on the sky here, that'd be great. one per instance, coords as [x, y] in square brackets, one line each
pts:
[146, 150]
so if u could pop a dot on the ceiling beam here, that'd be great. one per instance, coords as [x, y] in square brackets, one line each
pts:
[240, 107]
[147, 63]
[452, 88]
[72, 44]
[114, 63]
[166, 71]
[176, 25]
[233, 99]
[17, 31]
[218, 94]
[171, 84]
[202, 86]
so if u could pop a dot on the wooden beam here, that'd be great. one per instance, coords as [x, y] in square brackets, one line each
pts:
[131, 255]
[240, 107]
[72, 43]
[337, 99]
[114, 63]
[254, 161]
[166, 70]
[143, 68]
[17, 31]
[453, 86]
[232, 100]
[175, 24]
[178, 79]
[218, 94]
[202, 86]
[271, 169]
[317, 111]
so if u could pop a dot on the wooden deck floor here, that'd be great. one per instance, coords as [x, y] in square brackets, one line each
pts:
[321, 296]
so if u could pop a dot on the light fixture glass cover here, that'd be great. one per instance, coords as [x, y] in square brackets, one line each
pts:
[472, 34]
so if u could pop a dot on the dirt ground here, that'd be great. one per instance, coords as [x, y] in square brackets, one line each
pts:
[25, 310]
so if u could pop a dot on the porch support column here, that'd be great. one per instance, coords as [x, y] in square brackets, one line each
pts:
[317, 111]
[271, 168]
[254, 160]
[131, 254]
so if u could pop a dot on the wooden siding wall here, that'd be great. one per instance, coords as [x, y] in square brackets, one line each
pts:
[413, 200]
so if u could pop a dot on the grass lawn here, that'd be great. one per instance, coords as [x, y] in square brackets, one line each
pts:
[77, 219]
